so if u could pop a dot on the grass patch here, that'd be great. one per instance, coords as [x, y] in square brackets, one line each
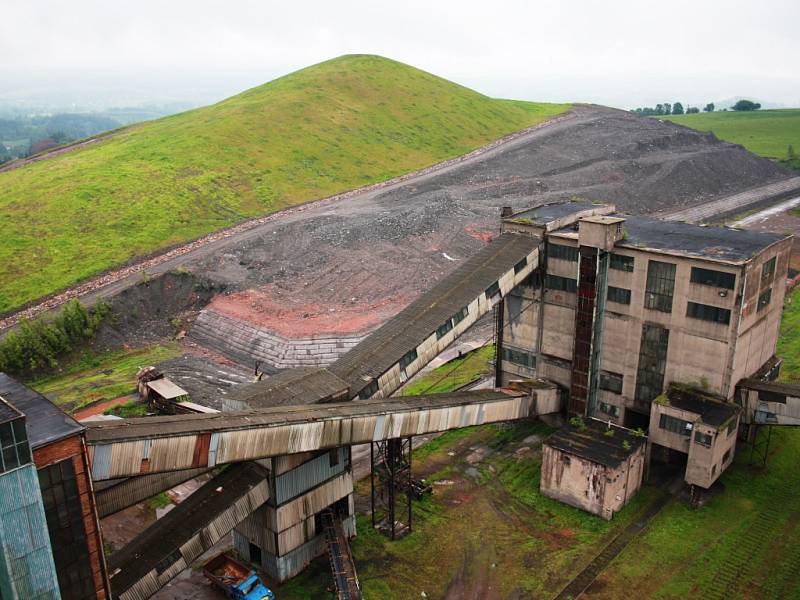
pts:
[789, 338]
[454, 374]
[159, 501]
[102, 376]
[338, 125]
[128, 410]
[765, 132]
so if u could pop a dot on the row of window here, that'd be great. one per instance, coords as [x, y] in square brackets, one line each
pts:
[519, 357]
[675, 425]
[705, 312]
[442, 330]
[561, 284]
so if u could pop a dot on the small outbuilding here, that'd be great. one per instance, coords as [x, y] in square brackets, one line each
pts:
[593, 465]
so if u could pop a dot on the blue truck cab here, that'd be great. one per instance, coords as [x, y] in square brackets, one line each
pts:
[237, 581]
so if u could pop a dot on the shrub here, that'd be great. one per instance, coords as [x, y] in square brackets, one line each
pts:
[39, 343]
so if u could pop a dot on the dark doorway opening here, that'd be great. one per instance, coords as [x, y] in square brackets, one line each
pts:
[255, 554]
[636, 420]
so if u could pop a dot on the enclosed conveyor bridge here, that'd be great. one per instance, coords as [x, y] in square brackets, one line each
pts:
[148, 445]
[769, 402]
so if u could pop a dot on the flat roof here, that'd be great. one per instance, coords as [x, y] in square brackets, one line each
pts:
[44, 421]
[8, 412]
[715, 243]
[303, 385]
[712, 410]
[591, 442]
[166, 389]
[546, 213]
[408, 329]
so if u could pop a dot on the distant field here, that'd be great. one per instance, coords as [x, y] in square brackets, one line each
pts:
[765, 132]
[331, 127]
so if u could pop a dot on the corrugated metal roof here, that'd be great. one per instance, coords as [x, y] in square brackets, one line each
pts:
[177, 527]
[166, 389]
[173, 425]
[303, 385]
[591, 442]
[44, 421]
[404, 332]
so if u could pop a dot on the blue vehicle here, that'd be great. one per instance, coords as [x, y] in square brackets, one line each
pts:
[235, 579]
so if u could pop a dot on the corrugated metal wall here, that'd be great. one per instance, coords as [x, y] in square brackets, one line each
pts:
[308, 475]
[27, 571]
[133, 490]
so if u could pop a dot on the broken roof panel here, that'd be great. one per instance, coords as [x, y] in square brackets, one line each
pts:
[166, 389]
[303, 385]
[590, 442]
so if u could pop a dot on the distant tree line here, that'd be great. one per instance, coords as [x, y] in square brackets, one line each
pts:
[677, 108]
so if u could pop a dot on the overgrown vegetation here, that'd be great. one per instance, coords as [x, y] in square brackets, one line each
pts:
[40, 343]
[106, 376]
[454, 374]
[335, 126]
[128, 410]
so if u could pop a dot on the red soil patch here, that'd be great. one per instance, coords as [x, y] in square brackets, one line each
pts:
[301, 319]
[480, 234]
[99, 407]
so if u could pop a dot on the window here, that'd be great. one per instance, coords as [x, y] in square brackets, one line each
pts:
[519, 357]
[562, 284]
[652, 362]
[443, 329]
[675, 425]
[493, 289]
[731, 427]
[704, 439]
[618, 295]
[611, 382]
[369, 391]
[609, 409]
[64, 515]
[726, 456]
[14, 449]
[520, 265]
[460, 315]
[768, 269]
[704, 312]
[660, 285]
[333, 457]
[562, 252]
[764, 299]
[713, 278]
[408, 358]
[533, 280]
[621, 263]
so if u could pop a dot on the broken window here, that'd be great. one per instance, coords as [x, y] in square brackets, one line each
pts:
[731, 427]
[443, 329]
[333, 457]
[562, 252]
[714, 278]
[705, 312]
[675, 425]
[408, 358]
[562, 284]
[704, 439]
[652, 362]
[492, 290]
[768, 269]
[660, 286]
[520, 265]
[460, 315]
[618, 295]
[519, 357]
[621, 263]
[369, 391]
[609, 409]
[764, 299]
[14, 448]
[611, 382]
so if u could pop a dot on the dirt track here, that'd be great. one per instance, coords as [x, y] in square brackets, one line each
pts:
[338, 258]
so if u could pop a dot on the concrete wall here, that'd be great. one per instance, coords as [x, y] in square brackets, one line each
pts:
[590, 486]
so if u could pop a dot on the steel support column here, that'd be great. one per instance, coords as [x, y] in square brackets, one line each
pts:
[390, 483]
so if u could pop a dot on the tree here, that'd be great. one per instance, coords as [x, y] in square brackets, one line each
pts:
[677, 108]
[709, 107]
[744, 105]
[660, 109]
[667, 108]
[692, 110]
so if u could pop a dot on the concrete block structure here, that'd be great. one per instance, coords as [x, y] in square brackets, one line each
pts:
[595, 466]
[622, 306]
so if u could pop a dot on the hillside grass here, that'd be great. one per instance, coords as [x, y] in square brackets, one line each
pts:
[335, 126]
[765, 132]
[453, 374]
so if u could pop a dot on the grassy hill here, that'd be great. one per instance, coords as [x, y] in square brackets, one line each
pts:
[331, 127]
[765, 132]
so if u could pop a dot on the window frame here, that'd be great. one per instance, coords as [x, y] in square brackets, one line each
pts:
[558, 283]
[562, 252]
[607, 376]
[626, 294]
[660, 286]
[713, 278]
[764, 300]
[675, 425]
[703, 439]
[622, 262]
[709, 313]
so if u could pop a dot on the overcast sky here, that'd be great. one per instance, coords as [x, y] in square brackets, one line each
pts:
[619, 52]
